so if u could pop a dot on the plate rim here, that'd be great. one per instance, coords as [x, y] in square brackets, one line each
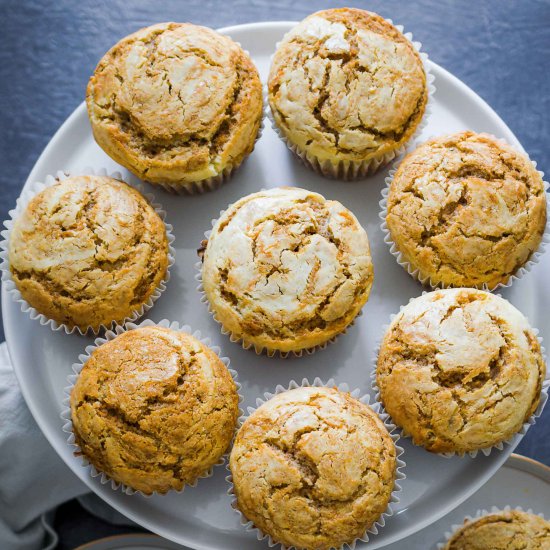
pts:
[528, 465]
[151, 537]
[44, 426]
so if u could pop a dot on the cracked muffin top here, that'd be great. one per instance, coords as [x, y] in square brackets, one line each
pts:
[87, 251]
[313, 468]
[285, 269]
[345, 84]
[154, 409]
[512, 530]
[466, 210]
[175, 103]
[460, 370]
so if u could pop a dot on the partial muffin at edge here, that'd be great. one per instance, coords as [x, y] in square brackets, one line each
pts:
[176, 103]
[313, 467]
[500, 530]
[154, 409]
[460, 370]
[285, 269]
[346, 85]
[466, 210]
[87, 251]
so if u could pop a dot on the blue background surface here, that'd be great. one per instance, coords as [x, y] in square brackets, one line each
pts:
[501, 49]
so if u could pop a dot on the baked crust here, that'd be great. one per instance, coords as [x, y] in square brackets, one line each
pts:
[466, 210]
[460, 370]
[286, 269]
[502, 530]
[345, 84]
[154, 409]
[87, 251]
[313, 467]
[175, 103]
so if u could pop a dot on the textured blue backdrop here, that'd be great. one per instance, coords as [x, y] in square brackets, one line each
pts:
[499, 48]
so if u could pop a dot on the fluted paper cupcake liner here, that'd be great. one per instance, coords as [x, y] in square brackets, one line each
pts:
[363, 398]
[479, 514]
[426, 280]
[216, 181]
[354, 170]
[486, 450]
[241, 340]
[27, 195]
[77, 368]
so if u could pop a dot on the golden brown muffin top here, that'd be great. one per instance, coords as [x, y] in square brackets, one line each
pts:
[178, 96]
[511, 530]
[460, 370]
[286, 268]
[466, 209]
[154, 409]
[313, 467]
[88, 250]
[346, 84]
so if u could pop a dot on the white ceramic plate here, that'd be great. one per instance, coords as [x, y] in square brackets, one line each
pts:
[520, 482]
[201, 518]
[131, 542]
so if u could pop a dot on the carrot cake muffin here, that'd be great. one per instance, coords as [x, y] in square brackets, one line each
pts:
[176, 104]
[466, 210]
[313, 468]
[460, 370]
[502, 530]
[154, 409]
[346, 90]
[286, 269]
[87, 251]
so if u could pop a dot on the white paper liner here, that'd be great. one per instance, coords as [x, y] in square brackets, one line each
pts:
[480, 513]
[83, 358]
[486, 450]
[354, 170]
[425, 280]
[363, 398]
[214, 182]
[26, 196]
[241, 340]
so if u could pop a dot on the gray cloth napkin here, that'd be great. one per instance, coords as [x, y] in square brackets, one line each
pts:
[33, 479]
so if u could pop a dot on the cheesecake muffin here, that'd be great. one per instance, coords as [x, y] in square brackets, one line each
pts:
[154, 409]
[286, 270]
[466, 210]
[176, 104]
[313, 468]
[503, 530]
[460, 370]
[88, 251]
[346, 90]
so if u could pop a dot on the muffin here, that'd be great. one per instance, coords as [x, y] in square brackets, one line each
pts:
[501, 530]
[460, 370]
[88, 251]
[313, 468]
[346, 90]
[286, 270]
[154, 409]
[176, 104]
[466, 210]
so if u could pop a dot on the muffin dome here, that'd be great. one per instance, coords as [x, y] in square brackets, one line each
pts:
[176, 104]
[346, 86]
[499, 530]
[313, 468]
[466, 210]
[460, 370]
[154, 409]
[286, 270]
[87, 251]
